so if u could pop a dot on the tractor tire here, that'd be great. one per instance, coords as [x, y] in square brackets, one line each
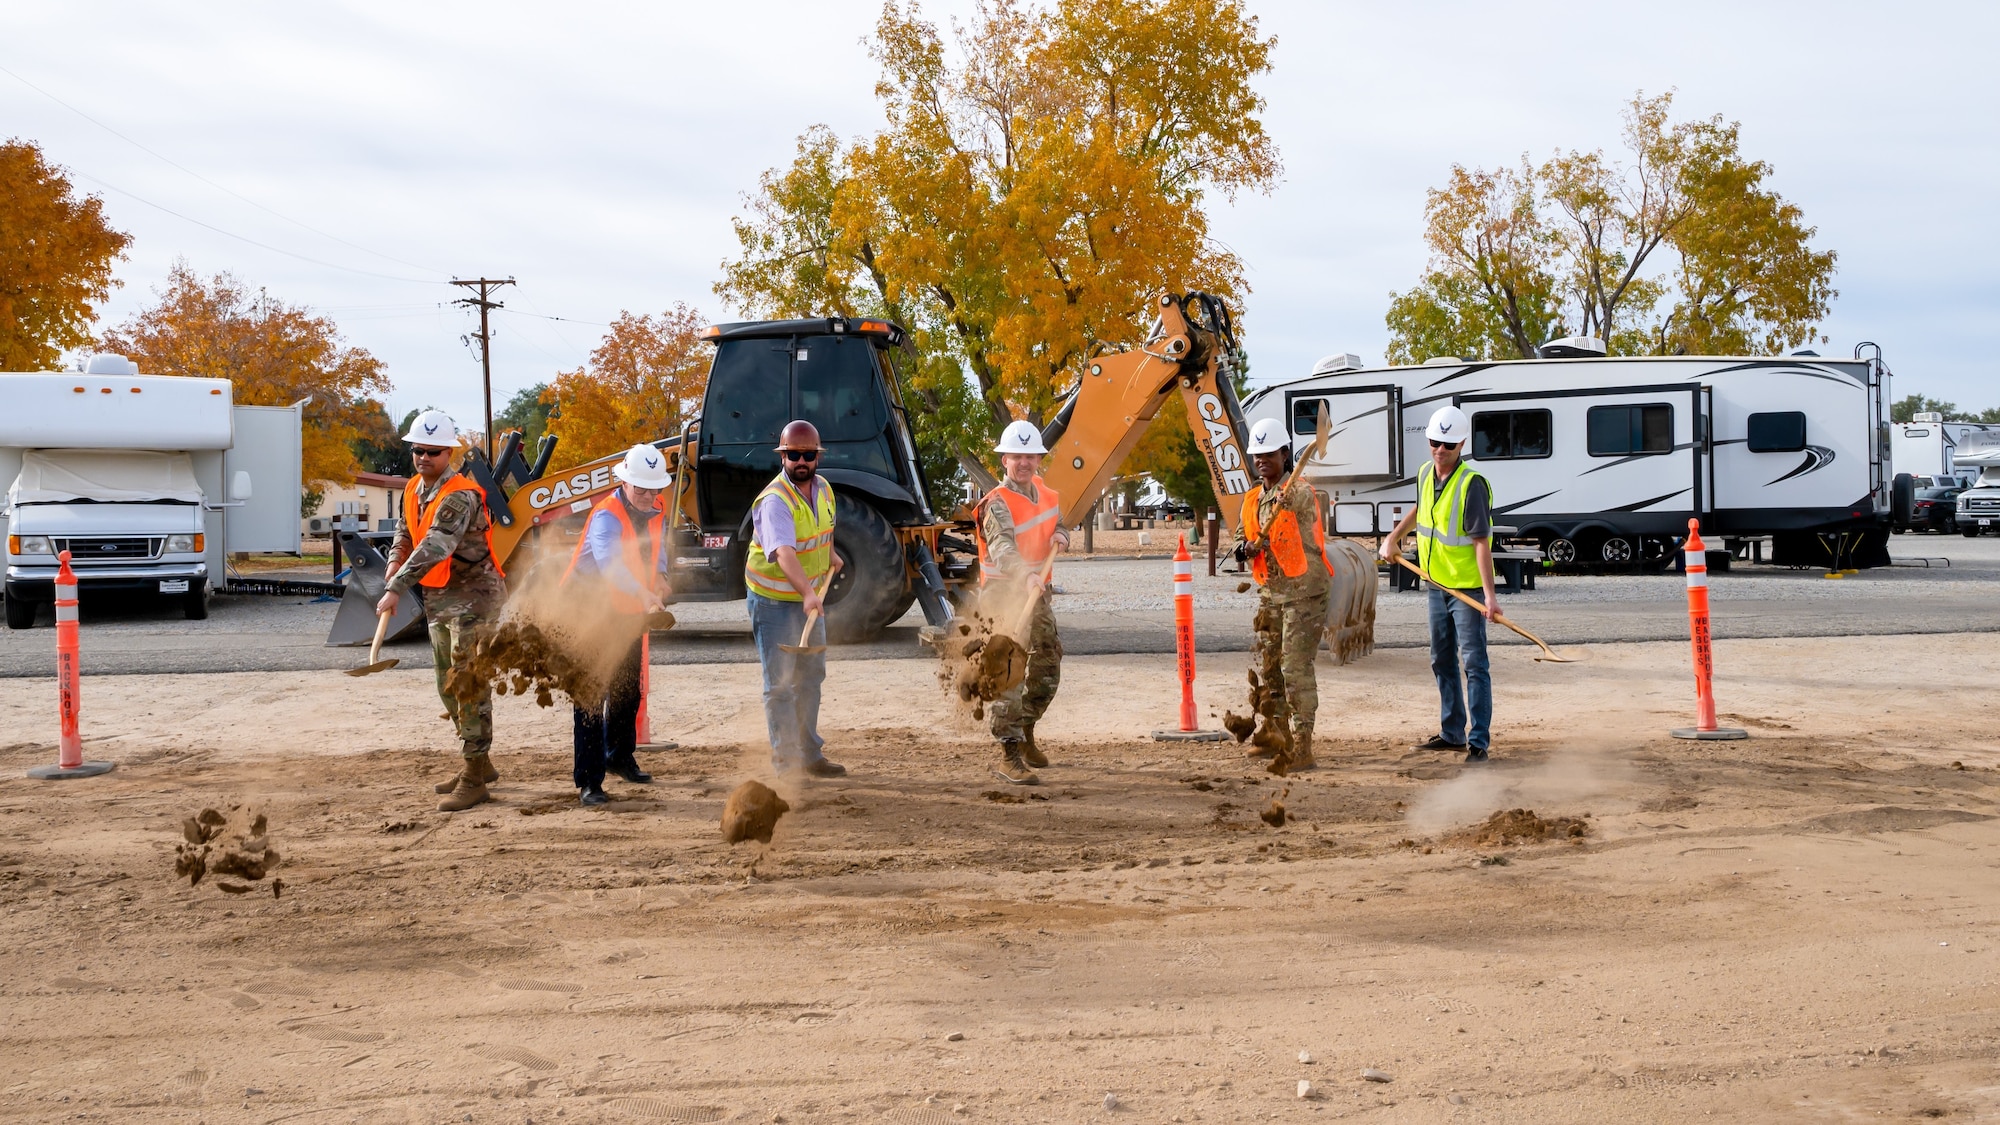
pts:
[872, 588]
[21, 613]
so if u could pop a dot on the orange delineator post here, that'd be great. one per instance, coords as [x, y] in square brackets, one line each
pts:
[1696, 561]
[1189, 729]
[644, 723]
[69, 754]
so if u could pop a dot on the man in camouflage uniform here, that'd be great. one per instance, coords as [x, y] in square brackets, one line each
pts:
[444, 544]
[1280, 535]
[1019, 530]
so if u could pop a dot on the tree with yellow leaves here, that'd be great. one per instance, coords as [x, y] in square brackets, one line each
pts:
[1038, 182]
[56, 253]
[641, 383]
[1587, 245]
[274, 354]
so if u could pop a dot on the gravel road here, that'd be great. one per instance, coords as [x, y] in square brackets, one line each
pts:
[1123, 605]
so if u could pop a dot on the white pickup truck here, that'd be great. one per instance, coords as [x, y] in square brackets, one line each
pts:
[147, 482]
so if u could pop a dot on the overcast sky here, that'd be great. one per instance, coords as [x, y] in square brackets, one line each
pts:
[353, 157]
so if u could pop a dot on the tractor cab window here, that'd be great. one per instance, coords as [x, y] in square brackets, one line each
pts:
[750, 394]
[839, 388]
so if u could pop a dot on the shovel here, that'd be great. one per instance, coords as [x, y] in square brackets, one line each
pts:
[802, 648]
[375, 651]
[1548, 654]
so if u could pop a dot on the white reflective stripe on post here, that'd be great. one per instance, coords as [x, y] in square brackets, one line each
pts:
[1183, 570]
[66, 611]
[1697, 579]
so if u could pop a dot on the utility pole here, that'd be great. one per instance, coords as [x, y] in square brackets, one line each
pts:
[485, 304]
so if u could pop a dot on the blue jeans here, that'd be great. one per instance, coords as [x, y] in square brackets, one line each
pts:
[791, 680]
[1458, 649]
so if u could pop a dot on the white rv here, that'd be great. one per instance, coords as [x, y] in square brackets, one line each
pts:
[1927, 447]
[1979, 505]
[1604, 460]
[147, 481]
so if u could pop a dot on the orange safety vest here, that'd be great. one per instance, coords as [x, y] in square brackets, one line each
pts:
[1285, 542]
[420, 524]
[639, 563]
[1035, 525]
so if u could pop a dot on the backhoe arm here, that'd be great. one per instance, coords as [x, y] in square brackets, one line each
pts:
[1101, 423]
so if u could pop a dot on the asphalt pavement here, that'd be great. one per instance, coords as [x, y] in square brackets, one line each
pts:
[1124, 605]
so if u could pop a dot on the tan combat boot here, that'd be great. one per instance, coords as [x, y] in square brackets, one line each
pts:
[469, 790]
[488, 776]
[1302, 748]
[1013, 768]
[1029, 752]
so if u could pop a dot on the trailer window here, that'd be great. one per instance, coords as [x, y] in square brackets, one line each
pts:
[1621, 431]
[1500, 435]
[1778, 431]
[1305, 415]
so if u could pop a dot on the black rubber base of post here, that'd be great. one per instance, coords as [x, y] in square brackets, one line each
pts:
[1719, 734]
[58, 773]
[1189, 735]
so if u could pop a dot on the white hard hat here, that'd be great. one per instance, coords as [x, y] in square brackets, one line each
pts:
[1268, 436]
[432, 428]
[643, 467]
[1449, 424]
[1020, 437]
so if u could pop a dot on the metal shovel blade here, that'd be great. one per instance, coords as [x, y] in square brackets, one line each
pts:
[378, 666]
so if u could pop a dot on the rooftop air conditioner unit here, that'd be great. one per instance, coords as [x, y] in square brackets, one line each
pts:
[1338, 361]
[1573, 347]
[1437, 359]
[1927, 416]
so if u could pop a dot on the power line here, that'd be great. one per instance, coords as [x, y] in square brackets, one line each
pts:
[253, 242]
[211, 183]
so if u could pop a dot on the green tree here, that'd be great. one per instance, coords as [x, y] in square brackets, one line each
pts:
[1038, 180]
[1591, 245]
[1906, 409]
[527, 413]
[378, 447]
[56, 253]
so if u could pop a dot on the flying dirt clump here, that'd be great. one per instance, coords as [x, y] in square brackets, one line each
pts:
[1522, 826]
[234, 843]
[1274, 813]
[751, 812]
[519, 655]
[978, 664]
[1272, 735]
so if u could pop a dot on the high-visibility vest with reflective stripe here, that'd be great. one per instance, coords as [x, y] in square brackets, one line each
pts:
[1287, 545]
[1035, 525]
[1446, 553]
[419, 516]
[812, 522]
[642, 563]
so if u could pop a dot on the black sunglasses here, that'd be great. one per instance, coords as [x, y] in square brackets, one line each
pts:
[1441, 444]
[801, 454]
[422, 452]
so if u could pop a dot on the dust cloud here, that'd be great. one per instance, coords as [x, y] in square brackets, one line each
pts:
[551, 639]
[1568, 778]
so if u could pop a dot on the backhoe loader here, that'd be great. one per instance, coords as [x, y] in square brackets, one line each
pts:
[840, 374]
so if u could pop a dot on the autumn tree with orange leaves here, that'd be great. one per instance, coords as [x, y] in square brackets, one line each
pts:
[1041, 177]
[274, 354]
[641, 383]
[56, 253]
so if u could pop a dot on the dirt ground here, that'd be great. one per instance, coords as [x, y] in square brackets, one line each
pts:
[1800, 926]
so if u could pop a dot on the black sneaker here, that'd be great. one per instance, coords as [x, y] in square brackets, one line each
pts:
[1438, 742]
[630, 771]
[820, 767]
[593, 797]
[1475, 756]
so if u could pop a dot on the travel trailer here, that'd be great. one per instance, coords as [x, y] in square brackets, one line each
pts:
[1927, 446]
[1604, 459]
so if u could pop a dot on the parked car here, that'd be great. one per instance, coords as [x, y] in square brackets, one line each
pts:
[1935, 509]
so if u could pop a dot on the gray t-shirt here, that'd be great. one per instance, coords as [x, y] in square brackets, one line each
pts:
[771, 523]
[1478, 505]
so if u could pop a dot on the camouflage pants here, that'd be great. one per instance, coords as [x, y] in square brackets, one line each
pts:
[451, 637]
[1026, 702]
[1288, 638]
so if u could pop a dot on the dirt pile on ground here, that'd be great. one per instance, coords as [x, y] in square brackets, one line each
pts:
[520, 656]
[751, 812]
[236, 843]
[1274, 813]
[1521, 826]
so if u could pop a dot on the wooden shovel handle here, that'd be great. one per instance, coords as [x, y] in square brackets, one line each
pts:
[825, 584]
[1497, 615]
[381, 630]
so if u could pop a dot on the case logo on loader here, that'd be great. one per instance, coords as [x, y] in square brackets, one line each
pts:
[1222, 451]
[582, 484]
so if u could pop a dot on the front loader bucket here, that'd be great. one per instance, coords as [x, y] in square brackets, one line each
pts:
[367, 574]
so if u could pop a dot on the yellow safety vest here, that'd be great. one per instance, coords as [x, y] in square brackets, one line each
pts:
[814, 527]
[1446, 552]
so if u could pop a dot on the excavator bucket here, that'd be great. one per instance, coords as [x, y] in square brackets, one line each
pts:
[367, 576]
